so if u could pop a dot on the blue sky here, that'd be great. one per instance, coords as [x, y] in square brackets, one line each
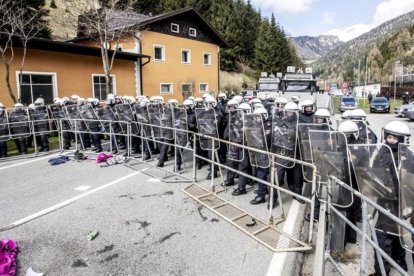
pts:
[345, 18]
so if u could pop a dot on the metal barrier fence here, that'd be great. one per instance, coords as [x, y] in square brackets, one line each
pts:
[323, 249]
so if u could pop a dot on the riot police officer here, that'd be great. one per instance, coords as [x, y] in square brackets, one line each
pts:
[4, 131]
[307, 111]
[366, 135]
[394, 133]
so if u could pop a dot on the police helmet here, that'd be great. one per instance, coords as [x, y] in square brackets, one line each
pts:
[32, 106]
[238, 98]
[143, 102]
[270, 97]
[398, 129]
[210, 100]
[291, 106]
[188, 104]
[74, 97]
[349, 128]
[262, 111]
[255, 100]
[306, 103]
[172, 102]
[322, 113]
[39, 101]
[222, 95]
[1, 105]
[245, 107]
[357, 114]
[18, 106]
[345, 115]
[233, 102]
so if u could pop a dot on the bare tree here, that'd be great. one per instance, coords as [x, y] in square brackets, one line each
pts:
[15, 28]
[104, 24]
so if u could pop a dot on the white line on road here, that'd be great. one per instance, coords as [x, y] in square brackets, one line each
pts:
[30, 161]
[82, 188]
[64, 203]
[278, 260]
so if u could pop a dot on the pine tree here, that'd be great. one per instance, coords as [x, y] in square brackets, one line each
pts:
[263, 52]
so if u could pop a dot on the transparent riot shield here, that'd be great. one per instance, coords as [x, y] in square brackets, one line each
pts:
[167, 124]
[41, 121]
[154, 112]
[91, 120]
[4, 126]
[207, 125]
[19, 124]
[284, 136]
[377, 179]
[75, 119]
[125, 114]
[56, 113]
[235, 133]
[180, 124]
[406, 157]
[304, 146]
[107, 119]
[329, 155]
[143, 117]
[256, 138]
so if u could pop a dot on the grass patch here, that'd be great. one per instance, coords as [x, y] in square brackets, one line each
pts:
[236, 82]
[12, 149]
[344, 256]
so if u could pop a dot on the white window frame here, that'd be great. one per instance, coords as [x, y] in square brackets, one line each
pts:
[209, 60]
[189, 56]
[195, 32]
[175, 25]
[167, 93]
[54, 81]
[185, 83]
[199, 87]
[103, 75]
[162, 52]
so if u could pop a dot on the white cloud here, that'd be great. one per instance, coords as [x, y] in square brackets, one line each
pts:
[386, 10]
[283, 6]
[328, 17]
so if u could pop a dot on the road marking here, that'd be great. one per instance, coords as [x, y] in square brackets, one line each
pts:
[155, 180]
[83, 188]
[64, 203]
[278, 260]
[30, 161]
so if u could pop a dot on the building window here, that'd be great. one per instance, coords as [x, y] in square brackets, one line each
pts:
[159, 53]
[166, 88]
[175, 28]
[192, 32]
[185, 56]
[186, 88]
[207, 58]
[203, 87]
[36, 85]
[99, 86]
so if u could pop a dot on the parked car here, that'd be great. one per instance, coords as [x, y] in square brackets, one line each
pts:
[409, 112]
[249, 95]
[348, 103]
[399, 111]
[379, 104]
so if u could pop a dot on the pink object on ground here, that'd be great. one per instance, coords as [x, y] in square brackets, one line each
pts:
[8, 253]
[102, 157]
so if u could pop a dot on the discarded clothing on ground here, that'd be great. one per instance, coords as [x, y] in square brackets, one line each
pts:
[102, 157]
[114, 160]
[58, 160]
[8, 254]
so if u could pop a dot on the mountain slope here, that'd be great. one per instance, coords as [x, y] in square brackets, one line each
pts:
[312, 48]
[341, 63]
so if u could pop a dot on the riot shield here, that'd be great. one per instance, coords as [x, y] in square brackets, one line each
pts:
[181, 123]
[304, 146]
[406, 157]
[41, 121]
[377, 179]
[256, 138]
[284, 136]
[19, 123]
[330, 156]
[107, 119]
[143, 117]
[4, 126]
[75, 119]
[154, 113]
[125, 114]
[91, 119]
[207, 125]
[235, 129]
[167, 124]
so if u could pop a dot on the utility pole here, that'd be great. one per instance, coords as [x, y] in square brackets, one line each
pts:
[359, 71]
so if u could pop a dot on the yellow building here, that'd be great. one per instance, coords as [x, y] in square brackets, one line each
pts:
[59, 69]
[175, 55]
[184, 50]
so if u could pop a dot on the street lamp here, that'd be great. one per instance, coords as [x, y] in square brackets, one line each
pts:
[395, 77]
